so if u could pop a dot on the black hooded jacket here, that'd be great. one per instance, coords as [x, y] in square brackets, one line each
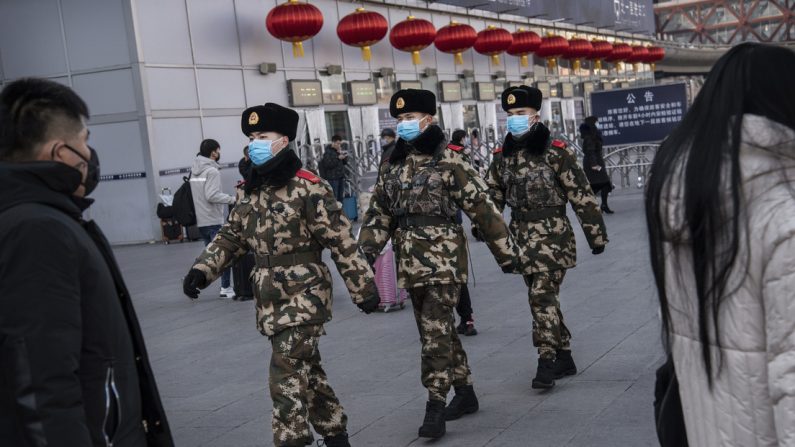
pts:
[73, 364]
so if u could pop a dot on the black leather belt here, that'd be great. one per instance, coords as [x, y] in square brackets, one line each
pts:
[422, 221]
[306, 257]
[538, 213]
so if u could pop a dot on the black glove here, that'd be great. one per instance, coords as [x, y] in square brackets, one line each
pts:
[370, 304]
[513, 267]
[192, 282]
[476, 234]
[598, 250]
[371, 257]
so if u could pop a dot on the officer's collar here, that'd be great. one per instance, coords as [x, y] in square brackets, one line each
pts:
[276, 172]
[535, 142]
[427, 143]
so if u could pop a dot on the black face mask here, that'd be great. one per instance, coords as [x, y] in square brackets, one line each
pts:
[92, 168]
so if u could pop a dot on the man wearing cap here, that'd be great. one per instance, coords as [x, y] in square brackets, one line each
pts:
[418, 191]
[536, 177]
[286, 217]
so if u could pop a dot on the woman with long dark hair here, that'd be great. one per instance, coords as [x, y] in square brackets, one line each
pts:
[720, 209]
[593, 162]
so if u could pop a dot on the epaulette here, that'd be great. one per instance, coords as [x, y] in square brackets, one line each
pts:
[559, 144]
[498, 150]
[306, 175]
[455, 148]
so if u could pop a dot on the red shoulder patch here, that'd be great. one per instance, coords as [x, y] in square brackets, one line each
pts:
[455, 148]
[306, 175]
[559, 144]
[498, 150]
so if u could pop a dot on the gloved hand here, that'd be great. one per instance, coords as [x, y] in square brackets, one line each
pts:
[476, 233]
[192, 282]
[598, 250]
[370, 304]
[513, 267]
[371, 257]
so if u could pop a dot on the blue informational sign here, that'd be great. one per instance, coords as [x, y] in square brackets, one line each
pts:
[639, 115]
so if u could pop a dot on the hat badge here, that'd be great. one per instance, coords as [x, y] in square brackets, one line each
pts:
[400, 103]
[253, 119]
[511, 99]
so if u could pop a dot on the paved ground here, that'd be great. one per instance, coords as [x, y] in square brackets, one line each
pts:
[211, 363]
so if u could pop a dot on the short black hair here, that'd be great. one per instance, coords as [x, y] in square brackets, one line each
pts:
[207, 147]
[336, 138]
[458, 137]
[33, 110]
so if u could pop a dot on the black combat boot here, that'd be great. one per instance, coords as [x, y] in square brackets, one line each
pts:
[340, 440]
[433, 425]
[545, 375]
[464, 402]
[467, 328]
[564, 364]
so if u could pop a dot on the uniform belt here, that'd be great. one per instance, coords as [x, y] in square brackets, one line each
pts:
[539, 213]
[305, 257]
[422, 221]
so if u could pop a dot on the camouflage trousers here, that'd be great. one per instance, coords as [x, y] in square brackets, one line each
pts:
[549, 331]
[300, 390]
[444, 362]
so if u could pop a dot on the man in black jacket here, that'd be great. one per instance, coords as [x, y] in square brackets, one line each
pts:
[332, 166]
[73, 364]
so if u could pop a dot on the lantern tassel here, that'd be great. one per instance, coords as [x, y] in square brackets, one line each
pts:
[576, 65]
[524, 61]
[598, 65]
[552, 63]
[366, 53]
[653, 66]
[415, 57]
[298, 49]
[459, 58]
[495, 59]
[635, 67]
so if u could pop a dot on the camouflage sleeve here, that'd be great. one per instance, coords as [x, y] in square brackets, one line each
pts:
[330, 227]
[378, 223]
[227, 246]
[472, 195]
[494, 183]
[578, 191]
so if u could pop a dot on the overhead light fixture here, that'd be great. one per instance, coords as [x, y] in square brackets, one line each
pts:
[267, 68]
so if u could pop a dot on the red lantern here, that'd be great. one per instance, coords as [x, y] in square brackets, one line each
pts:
[294, 22]
[621, 53]
[638, 56]
[524, 43]
[492, 41]
[656, 54]
[455, 38]
[551, 47]
[412, 35]
[578, 49]
[601, 50]
[362, 29]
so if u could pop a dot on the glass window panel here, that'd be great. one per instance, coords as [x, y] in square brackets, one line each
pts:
[765, 8]
[467, 88]
[385, 88]
[721, 16]
[332, 88]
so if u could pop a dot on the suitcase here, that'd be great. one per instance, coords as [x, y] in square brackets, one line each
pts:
[392, 298]
[171, 229]
[241, 277]
[350, 207]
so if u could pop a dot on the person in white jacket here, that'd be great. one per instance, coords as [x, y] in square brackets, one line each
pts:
[209, 200]
[720, 209]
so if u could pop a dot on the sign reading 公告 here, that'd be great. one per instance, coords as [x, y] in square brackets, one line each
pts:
[639, 115]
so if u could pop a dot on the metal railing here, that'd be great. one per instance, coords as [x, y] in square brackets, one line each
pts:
[630, 162]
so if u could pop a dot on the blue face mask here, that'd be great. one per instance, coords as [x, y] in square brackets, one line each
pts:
[259, 151]
[518, 124]
[409, 130]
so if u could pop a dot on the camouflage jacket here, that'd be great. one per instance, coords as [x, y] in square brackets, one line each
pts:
[425, 178]
[542, 182]
[301, 216]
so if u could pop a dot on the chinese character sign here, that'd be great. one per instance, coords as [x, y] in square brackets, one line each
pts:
[639, 115]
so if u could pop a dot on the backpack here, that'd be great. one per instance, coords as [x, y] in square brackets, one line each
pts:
[183, 208]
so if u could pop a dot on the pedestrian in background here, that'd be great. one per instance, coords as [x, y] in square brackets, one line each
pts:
[720, 208]
[73, 364]
[593, 161]
[209, 199]
[332, 166]
[537, 177]
[287, 217]
[388, 140]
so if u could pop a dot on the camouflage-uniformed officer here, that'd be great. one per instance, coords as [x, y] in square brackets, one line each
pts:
[286, 217]
[415, 201]
[536, 177]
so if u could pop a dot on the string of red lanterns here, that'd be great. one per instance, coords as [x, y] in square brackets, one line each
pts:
[412, 35]
[601, 50]
[294, 22]
[552, 47]
[578, 49]
[524, 43]
[362, 29]
[493, 41]
[454, 39]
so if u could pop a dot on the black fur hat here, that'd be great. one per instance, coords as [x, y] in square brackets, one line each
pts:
[270, 117]
[522, 96]
[412, 100]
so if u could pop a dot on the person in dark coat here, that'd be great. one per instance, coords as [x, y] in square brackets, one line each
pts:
[593, 161]
[332, 166]
[388, 141]
[73, 364]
